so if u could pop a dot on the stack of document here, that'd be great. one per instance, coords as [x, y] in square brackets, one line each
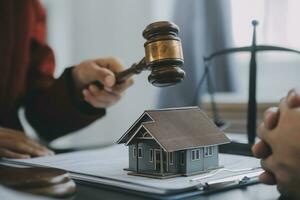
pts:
[105, 166]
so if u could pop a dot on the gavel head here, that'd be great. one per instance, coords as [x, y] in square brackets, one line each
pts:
[163, 53]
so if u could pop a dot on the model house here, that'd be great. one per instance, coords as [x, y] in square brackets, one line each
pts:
[173, 142]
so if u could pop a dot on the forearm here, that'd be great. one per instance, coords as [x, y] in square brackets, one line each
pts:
[57, 110]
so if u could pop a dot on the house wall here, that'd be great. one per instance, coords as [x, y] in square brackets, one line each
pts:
[212, 161]
[174, 168]
[144, 163]
[132, 161]
[181, 167]
[204, 163]
[193, 166]
[189, 167]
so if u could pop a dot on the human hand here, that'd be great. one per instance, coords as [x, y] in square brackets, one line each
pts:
[14, 144]
[271, 117]
[102, 70]
[280, 148]
[262, 149]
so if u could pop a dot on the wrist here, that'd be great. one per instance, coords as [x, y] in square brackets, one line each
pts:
[77, 83]
[76, 95]
[77, 87]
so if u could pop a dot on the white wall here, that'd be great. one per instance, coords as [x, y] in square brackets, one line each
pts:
[277, 72]
[84, 29]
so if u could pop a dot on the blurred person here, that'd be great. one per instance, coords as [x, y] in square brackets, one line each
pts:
[279, 147]
[54, 107]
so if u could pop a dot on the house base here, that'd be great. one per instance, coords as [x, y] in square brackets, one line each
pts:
[152, 175]
[148, 174]
[203, 172]
[165, 175]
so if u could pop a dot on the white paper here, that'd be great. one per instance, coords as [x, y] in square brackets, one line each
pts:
[109, 162]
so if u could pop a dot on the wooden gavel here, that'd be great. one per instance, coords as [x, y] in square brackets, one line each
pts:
[163, 56]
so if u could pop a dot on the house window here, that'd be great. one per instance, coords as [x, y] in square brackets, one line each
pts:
[171, 158]
[198, 154]
[208, 151]
[195, 154]
[151, 155]
[182, 157]
[140, 152]
[134, 152]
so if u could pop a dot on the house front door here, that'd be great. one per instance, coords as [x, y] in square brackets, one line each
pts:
[157, 160]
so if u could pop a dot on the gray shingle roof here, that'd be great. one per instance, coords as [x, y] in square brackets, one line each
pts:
[178, 129]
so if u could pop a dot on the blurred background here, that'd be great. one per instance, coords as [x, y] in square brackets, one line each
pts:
[84, 29]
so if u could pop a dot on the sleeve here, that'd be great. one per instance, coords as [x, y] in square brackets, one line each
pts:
[51, 105]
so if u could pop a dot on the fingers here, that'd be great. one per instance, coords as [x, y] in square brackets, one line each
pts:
[261, 150]
[22, 147]
[21, 137]
[268, 165]
[283, 107]
[39, 149]
[112, 64]
[267, 178]
[103, 75]
[16, 142]
[271, 117]
[100, 98]
[4, 153]
[120, 88]
[263, 133]
[104, 95]
[108, 66]
[293, 98]
[103, 71]
[88, 97]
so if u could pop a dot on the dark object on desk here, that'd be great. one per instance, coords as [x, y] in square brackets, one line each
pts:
[163, 56]
[37, 180]
[236, 148]
[241, 148]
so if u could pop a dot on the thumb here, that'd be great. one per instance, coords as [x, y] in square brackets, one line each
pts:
[293, 99]
[271, 117]
[104, 76]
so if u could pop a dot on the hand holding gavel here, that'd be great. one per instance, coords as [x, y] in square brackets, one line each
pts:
[88, 74]
[279, 147]
[104, 80]
[163, 56]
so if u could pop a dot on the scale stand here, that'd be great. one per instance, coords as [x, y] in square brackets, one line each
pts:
[235, 147]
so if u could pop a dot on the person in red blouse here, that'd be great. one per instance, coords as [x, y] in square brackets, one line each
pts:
[54, 107]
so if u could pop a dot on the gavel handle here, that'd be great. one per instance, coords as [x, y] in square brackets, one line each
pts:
[135, 68]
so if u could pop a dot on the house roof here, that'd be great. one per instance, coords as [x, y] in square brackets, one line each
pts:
[178, 129]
